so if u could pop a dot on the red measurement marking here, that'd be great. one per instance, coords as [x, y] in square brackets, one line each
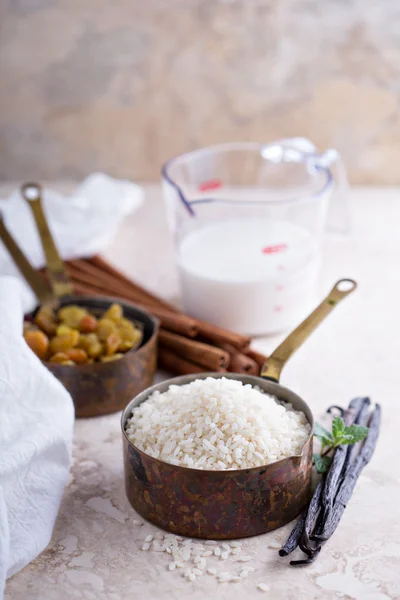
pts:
[279, 287]
[278, 308]
[212, 184]
[274, 249]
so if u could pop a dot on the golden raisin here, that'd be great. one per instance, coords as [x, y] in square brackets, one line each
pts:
[46, 321]
[64, 342]
[30, 326]
[129, 332]
[63, 329]
[110, 358]
[112, 343]
[137, 338]
[115, 312]
[78, 355]
[72, 315]
[91, 344]
[82, 341]
[95, 349]
[48, 310]
[125, 325]
[59, 357]
[125, 345]
[105, 327]
[38, 342]
[88, 324]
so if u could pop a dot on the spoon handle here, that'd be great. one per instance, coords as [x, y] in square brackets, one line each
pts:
[275, 363]
[34, 279]
[61, 285]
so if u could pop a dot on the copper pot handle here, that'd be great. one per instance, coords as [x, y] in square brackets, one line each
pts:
[275, 363]
[32, 194]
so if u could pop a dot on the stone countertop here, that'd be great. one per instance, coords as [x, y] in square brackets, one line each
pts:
[95, 552]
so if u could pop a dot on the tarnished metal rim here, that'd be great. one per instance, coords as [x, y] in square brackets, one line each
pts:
[276, 389]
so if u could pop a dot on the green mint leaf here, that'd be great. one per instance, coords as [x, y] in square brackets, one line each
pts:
[322, 434]
[325, 442]
[355, 433]
[322, 463]
[338, 428]
[343, 441]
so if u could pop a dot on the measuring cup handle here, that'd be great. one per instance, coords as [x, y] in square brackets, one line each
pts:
[61, 286]
[339, 213]
[275, 363]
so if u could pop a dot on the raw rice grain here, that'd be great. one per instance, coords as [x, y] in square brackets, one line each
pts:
[205, 423]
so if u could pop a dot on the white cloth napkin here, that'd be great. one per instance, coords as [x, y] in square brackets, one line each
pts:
[82, 224]
[36, 426]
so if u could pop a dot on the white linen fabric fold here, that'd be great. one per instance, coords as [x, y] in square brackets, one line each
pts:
[36, 426]
[82, 224]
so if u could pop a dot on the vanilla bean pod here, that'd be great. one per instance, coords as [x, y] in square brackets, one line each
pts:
[350, 480]
[362, 419]
[317, 523]
[306, 561]
[312, 514]
[333, 476]
[330, 409]
[364, 412]
[293, 540]
[308, 516]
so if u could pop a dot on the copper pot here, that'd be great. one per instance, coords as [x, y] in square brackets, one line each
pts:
[227, 504]
[103, 388]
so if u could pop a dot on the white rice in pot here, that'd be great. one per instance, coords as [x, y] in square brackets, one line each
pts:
[217, 424]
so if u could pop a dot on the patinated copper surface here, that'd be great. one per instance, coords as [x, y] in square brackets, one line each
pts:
[103, 388]
[218, 504]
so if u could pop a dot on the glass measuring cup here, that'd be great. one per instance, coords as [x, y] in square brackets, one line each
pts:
[248, 220]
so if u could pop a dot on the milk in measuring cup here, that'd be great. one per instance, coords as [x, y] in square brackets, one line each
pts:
[254, 276]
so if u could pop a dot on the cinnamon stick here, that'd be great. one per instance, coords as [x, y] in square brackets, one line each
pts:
[260, 359]
[106, 287]
[171, 321]
[220, 336]
[89, 289]
[168, 360]
[240, 363]
[87, 273]
[102, 264]
[210, 357]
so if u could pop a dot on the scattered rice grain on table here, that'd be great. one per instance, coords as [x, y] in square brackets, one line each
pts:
[185, 558]
[217, 424]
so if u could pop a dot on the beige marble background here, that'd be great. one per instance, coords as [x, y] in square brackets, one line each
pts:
[122, 85]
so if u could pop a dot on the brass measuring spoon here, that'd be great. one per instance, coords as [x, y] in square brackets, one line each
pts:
[275, 363]
[34, 279]
[59, 281]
